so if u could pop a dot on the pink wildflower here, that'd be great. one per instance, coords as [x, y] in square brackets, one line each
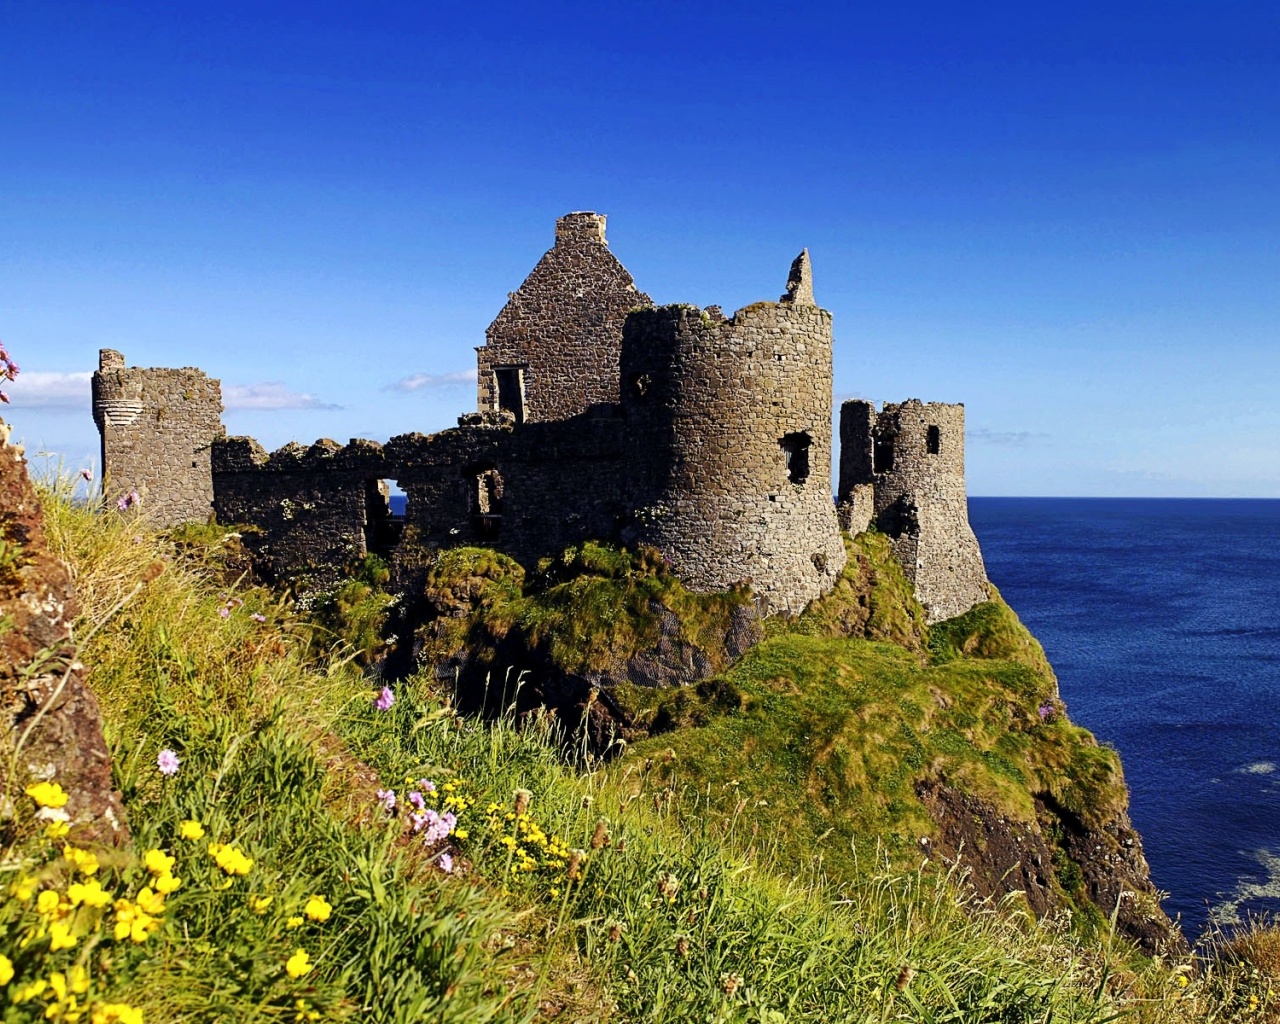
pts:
[87, 474]
[167, 762]
[416, 799]
[385, 699]
[258, 617]
[387, 798]
[225, 612]
[446, 863]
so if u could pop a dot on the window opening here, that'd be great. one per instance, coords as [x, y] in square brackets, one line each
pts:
[486, 502]
[510, 382]
[882, 455]
[933, 440]
[383, 527]
[796, 449]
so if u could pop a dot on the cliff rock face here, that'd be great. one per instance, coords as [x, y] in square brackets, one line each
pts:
[46, 710]
[1056, 862]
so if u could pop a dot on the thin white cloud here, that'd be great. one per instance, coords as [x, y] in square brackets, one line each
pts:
[1009, 438]
[43, 389]
[432, 381]
[269, 396]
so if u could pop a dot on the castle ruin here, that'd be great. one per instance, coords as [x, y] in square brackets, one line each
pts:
[600, 417]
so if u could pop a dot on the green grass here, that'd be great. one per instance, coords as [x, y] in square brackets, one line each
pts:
[681, 904]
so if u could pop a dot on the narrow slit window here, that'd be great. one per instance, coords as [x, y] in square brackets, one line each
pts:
[933, 440]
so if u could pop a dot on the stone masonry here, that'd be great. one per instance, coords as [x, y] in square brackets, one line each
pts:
[903, 470]
[157, 429]
[553, 350]
[600, 417]
[738, 413]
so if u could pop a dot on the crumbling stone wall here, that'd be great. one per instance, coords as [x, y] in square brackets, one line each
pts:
[734, 419]
[528, 492]
[157, 427]
[46, 711]
[910, 457]
[552, 352]
[312, 510]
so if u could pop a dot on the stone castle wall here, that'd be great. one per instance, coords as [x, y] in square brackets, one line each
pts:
[600, 418]
[552, 352]
[157, 427]
[735, 418]
[528, 492]
[910, 457]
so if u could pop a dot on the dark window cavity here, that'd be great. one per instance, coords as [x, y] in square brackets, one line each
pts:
[486, 502]
[510, 381]
[796, 449]
[882, 455]
[933, 440]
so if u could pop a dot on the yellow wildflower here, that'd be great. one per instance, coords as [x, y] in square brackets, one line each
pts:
[116, 1013]
[158, 862]
[191, 829]
[133, 922]
[90, 893]
[57, 829]
[6, 970]
[259, 904]
[78, 979]
[24, 888]
[60, 936]
[318, 909]
[461, 833]
[47, 902]
[298, 964]
[305, 1011]
[47, 794]
[151, 902]
[231, 859]
[32, 990]
[167, 883]
[293, 922]
[83, 861]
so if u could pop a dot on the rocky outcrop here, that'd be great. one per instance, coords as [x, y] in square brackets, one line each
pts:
[1057, 861]
[47, 713]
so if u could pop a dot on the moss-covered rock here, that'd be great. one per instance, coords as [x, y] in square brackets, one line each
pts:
[597, 618]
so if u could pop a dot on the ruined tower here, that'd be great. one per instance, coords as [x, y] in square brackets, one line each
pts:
[903, 471]
[552, 352]
[732, 428]
[156, 428]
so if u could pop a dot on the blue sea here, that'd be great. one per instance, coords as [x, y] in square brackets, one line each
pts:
[1162, 620]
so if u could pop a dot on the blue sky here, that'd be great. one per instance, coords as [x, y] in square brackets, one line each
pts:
[1064, 216]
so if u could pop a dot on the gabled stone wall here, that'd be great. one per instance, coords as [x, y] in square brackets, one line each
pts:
[552, 352]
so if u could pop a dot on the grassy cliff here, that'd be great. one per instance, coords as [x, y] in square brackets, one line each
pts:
[557, 892]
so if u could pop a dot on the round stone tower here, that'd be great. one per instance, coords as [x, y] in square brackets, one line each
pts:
[732, 421]
[157, 426]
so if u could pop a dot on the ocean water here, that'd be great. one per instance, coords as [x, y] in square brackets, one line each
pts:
[1161, 618]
